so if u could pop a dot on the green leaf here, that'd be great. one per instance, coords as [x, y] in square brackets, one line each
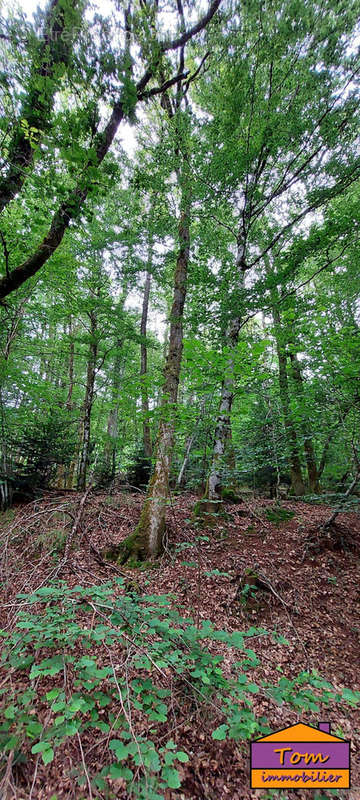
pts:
[181, 756]
[171, 777]
[39, 747]
[118, 771]
[121, 750]
[351, 697]
[220, 732]
[48, 755]
[237, 640]
[52, 694]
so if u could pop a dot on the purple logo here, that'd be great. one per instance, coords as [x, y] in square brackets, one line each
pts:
[300, 756]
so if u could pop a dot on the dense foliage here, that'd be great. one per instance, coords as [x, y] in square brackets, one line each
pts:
[179, 311]
[266, 119]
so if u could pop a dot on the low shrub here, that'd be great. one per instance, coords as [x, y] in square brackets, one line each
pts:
[91, 659]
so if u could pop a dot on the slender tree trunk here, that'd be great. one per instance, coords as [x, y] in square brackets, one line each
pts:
[189, 443]
[221, 437]
[143, 360]
[5, 458]
[113, 418]
[297, 483]
[111, 445]
[147, 539]
[88, 402]
[5, 486]
[313, 476]
[70, 469]
[70, 368]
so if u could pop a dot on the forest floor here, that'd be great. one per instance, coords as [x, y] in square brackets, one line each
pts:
[314, 605]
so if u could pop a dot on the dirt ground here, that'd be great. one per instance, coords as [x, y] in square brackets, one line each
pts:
[312, 600]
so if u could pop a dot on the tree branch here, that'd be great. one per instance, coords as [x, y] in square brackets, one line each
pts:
[70, 208]
[175, 43]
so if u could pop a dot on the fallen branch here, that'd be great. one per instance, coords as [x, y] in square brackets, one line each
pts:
[260, 581]
[347, 494]
[75, 526]
[273, 591]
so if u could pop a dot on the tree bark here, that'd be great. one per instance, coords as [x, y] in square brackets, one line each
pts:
[147, 539]
[313, 476]
[215, 480]
[297, 482]
[88, 402]
[143, 360]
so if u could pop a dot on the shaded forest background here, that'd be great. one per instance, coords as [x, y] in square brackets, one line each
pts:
[241, 193]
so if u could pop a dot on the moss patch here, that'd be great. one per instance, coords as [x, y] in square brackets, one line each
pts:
[230, 496]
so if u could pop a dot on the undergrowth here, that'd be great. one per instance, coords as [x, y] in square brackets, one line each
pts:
[92, 661]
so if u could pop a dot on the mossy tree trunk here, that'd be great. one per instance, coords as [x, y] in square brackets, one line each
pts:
[147, 539]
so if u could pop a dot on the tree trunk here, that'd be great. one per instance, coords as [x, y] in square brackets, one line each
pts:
[297, 483]
[110, 452]
[147, 539]
[313, 476]
[215, 480]
[88, 402]
[71, 367]
[143, 360]
[113, 418]
[189, 443]
[5, 458]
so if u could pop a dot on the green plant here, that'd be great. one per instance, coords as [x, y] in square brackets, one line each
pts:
[151, 641]
[248, 591]
[277, 514]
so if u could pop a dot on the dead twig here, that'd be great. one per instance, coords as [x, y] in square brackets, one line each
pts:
[84, 766]
[325, 527]
[75, 527]
[6, 779]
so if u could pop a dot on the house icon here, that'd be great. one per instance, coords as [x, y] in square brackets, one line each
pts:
[300, 756]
